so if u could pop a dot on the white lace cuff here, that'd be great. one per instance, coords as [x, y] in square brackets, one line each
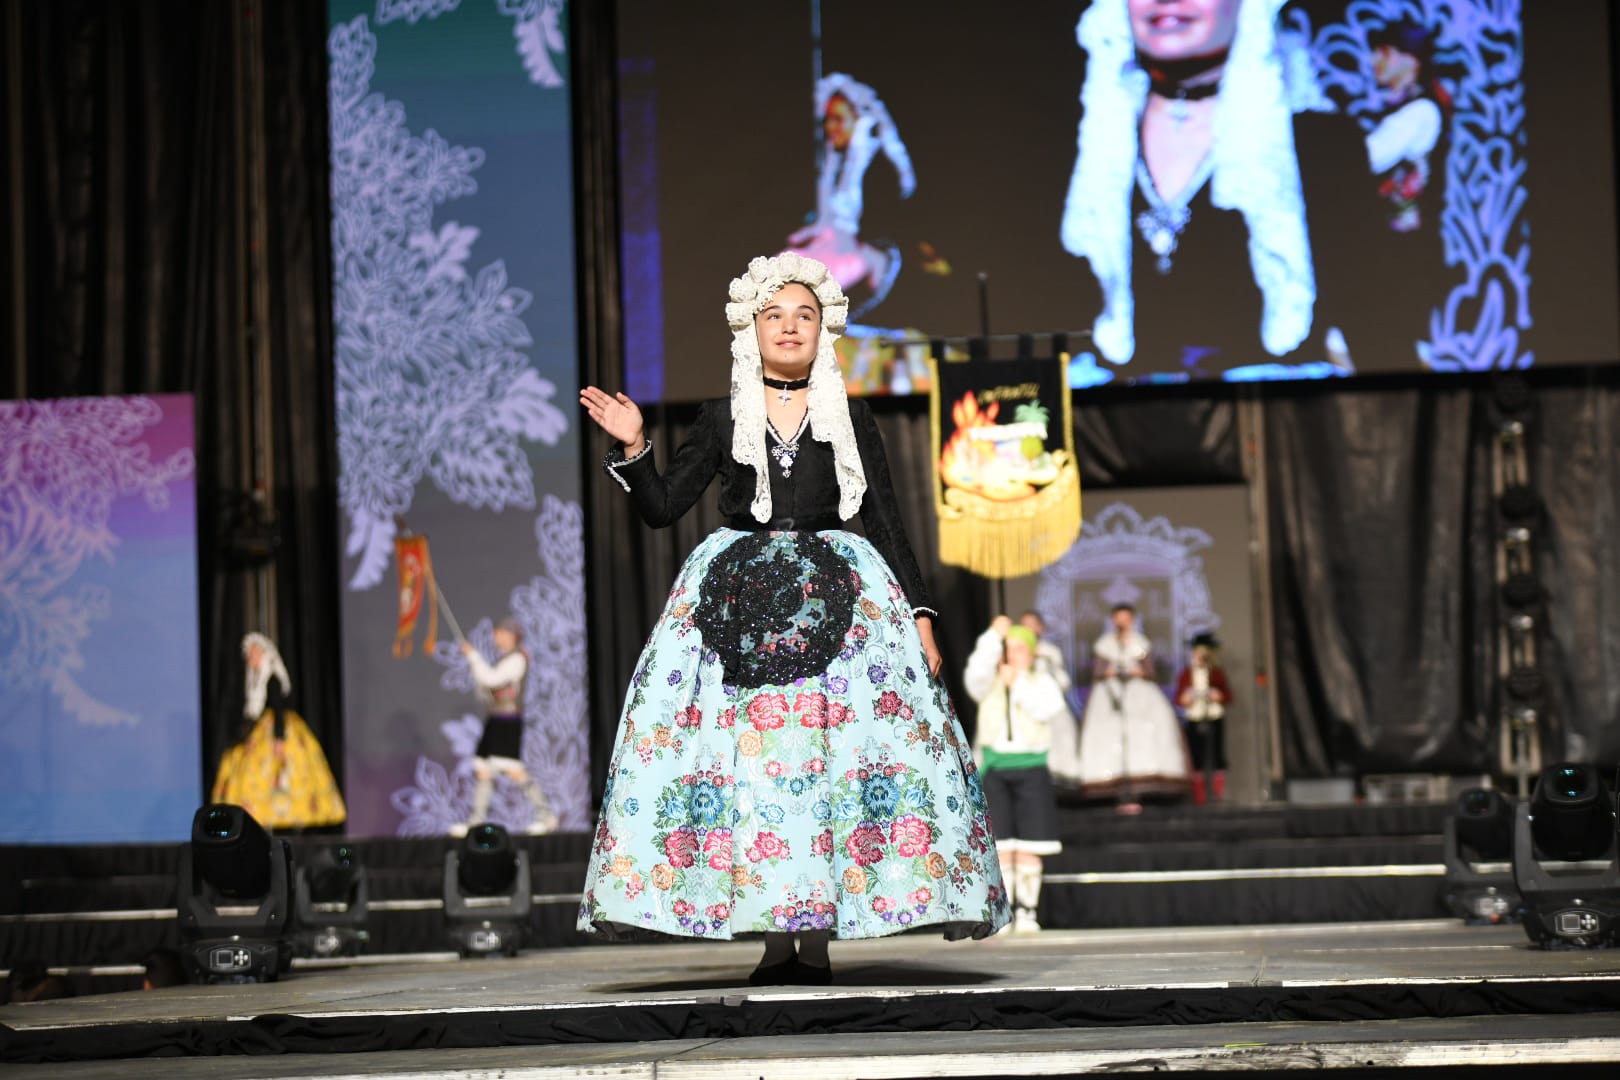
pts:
[930, 612]
[613, 462]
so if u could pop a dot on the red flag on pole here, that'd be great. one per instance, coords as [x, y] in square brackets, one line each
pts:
[416, 589]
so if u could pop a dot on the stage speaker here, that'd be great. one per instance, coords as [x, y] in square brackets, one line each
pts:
[332, 898]
[1479, 886]
[234, 898]
[1565, 862]
[487, 895]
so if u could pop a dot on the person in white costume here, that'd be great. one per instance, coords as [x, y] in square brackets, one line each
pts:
[1019, 704]
[500, 749]
[856, 127]
[1063, 762]
[1130, 741]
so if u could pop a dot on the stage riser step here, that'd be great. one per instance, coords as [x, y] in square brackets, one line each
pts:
[1063, 906]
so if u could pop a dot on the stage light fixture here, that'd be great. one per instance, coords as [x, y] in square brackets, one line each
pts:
[1479, 885]
[1565, 861]
[234, 898]
[1520, 587]
[332, 895]
[487, 896]
[1572, 814]
[1521, 590]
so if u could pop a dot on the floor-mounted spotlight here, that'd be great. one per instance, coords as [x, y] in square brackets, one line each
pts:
[235, 898]
[332, 900]
[486, 893]
[1565, 862]
[1479, 858]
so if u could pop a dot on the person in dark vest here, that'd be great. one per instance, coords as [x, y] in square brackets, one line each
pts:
[1202, 695]
[500, 748]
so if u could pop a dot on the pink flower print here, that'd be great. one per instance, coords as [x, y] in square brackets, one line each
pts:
[767, 845]
[812, 710]
[717, 845]
[865, 844]
[765, 711]
[912, 836]
[680, 847]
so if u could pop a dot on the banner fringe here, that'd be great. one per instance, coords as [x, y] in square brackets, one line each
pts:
[999, 540]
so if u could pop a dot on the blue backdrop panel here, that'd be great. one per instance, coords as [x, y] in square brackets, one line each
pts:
[452, 208]
[99, 696]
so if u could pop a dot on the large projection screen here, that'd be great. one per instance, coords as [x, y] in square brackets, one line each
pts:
[1367, 186]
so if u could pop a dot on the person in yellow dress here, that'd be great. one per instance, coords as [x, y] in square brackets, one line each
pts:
[277, 772]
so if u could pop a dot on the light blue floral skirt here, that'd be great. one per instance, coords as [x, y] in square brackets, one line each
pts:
[785, 761]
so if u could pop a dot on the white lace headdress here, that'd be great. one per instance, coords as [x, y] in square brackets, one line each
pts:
[1256, 171]
[843, 173]
[829, 405]
[258, 679]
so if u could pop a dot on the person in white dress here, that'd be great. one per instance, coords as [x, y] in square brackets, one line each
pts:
[1130, 740]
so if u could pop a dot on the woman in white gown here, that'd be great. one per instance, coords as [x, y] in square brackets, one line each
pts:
[1130, 740]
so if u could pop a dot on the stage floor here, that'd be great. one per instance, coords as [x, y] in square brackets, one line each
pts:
[1336, 996]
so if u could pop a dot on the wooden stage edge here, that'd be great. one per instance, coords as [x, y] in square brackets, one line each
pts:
[1348, 997]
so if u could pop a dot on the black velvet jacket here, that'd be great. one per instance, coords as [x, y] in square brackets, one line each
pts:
[806, 499]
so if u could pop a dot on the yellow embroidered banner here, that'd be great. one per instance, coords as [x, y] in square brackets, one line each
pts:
[1006, 487]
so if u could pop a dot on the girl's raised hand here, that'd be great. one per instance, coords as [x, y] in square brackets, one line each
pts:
[615, 414]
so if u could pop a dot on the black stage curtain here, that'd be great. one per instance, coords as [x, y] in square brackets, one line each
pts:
[128, 271]
[1573, 435]
[1384, 530]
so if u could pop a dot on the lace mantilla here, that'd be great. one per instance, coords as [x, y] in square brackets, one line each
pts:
[829, 405]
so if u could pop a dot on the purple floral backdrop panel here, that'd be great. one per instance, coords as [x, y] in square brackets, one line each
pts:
[452, 227]
[100, 723]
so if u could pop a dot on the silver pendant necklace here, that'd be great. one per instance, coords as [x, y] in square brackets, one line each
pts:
[787, 450]
[1164, 220]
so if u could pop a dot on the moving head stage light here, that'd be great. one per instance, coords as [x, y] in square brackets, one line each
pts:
[332, 897]
[235, 898]
[1565, 861]
[1479, 885]
[487, 897]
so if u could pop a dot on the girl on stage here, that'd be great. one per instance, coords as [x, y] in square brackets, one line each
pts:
[788, 762]
[277, 772]
[500, 748]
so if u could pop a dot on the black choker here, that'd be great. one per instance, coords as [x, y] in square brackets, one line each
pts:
[1169, 78]
[787, 384]
[1182, 92]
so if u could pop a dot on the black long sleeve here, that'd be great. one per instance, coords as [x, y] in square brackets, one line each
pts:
[661, 499]
[880, 511]
[276, 702]
[809, 495]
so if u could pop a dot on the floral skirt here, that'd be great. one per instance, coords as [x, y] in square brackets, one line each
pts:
[786, 762]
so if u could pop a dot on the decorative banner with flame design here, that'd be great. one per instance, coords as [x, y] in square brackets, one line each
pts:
[1007, 488]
